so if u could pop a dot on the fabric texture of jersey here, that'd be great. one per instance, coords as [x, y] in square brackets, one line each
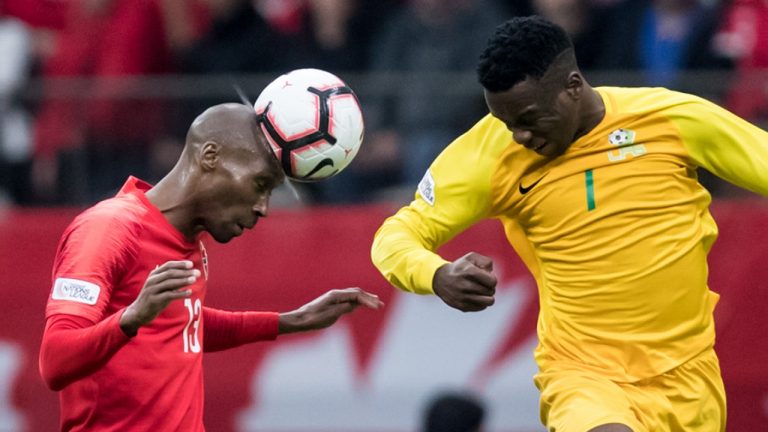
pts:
[615, 231]
[688, 398]
[155, 381]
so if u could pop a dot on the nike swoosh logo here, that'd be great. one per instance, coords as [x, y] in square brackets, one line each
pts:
[322, 164]
[524, 190]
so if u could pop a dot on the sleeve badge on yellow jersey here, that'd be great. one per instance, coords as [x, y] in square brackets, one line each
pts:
[427, 188]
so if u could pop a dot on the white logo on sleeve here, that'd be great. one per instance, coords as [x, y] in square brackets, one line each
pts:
[75, 290]
[427, 188]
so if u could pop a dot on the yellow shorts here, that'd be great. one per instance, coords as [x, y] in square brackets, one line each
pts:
[688, 398]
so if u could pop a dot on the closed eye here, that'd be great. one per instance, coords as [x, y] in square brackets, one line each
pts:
[260, 185]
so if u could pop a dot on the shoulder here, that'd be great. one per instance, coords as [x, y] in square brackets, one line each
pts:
[101, 242]
[648, 100]
[465, 167]
[474, 152]
[115, 221]
[121, 212]
[481, 144]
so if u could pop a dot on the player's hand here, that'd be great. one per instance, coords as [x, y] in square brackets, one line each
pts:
[163, 286]
[325, 310]
[467, 284]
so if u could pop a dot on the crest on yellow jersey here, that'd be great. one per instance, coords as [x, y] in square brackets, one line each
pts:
[625, 140]
[621, 137]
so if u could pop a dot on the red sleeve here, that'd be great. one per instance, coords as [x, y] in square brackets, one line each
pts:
[74, 348]
[223, 330]
[91, 258]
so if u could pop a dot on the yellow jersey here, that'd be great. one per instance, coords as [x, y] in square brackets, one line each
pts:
[615, 231]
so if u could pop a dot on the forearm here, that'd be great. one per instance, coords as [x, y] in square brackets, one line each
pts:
[73, 347]
[403, 259]
[224, 329]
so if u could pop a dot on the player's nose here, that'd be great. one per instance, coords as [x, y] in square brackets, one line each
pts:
[261, 207]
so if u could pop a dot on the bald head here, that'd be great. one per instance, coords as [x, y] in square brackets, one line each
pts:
[223, 181]
[233, 126]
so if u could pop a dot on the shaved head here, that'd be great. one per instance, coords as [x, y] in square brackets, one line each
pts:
[232, 125]
[224, 178]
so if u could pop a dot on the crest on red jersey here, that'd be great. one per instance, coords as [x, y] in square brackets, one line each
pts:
[204, 256]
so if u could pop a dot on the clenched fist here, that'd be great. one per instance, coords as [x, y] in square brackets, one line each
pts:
[467, 284]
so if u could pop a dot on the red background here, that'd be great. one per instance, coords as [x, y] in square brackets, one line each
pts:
[293, 256]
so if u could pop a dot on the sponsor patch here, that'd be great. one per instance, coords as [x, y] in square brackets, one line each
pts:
[427, 188]
[75, 290]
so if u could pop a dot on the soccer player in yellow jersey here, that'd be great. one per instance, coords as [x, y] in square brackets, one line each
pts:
[597, 191]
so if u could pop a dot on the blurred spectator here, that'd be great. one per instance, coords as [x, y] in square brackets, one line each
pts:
[45, 19]
[421, 45]
[582, 19]
[339, 33]
[29, 36]
[337, 36]
[15, 142]
[516, 7]
[330, 42]
[48, 14]
[744, 38]
[238, 39]
[660, 38]
[87, 140]
[286, 16]
[454, 412]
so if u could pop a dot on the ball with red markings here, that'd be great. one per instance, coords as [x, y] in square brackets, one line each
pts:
[313, 123]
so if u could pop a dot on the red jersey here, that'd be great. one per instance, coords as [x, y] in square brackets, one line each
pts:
[153, 380]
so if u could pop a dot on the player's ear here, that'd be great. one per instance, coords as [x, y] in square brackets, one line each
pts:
[209, 155]
[574, 85]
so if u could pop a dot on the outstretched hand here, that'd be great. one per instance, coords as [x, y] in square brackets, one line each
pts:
[467, 284]
[325, 310]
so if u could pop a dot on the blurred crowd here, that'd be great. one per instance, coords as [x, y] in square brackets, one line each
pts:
[78, 114]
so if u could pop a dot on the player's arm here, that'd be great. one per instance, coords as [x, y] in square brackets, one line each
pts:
[93, 255]
[74, 347]
[229, 329]
[724, 144]
[224, 329]
[454, 194]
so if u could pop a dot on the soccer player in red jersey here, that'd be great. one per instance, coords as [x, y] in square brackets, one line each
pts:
[126, 322]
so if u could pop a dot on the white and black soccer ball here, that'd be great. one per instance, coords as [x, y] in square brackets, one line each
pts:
[313, 122]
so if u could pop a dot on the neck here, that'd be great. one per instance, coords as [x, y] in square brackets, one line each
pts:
[169, 197]
[593, 111]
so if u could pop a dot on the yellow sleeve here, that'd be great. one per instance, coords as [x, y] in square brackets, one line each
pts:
[453, 195]
[724, 144]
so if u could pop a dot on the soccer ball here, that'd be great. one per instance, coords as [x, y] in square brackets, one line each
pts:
[313, 123]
